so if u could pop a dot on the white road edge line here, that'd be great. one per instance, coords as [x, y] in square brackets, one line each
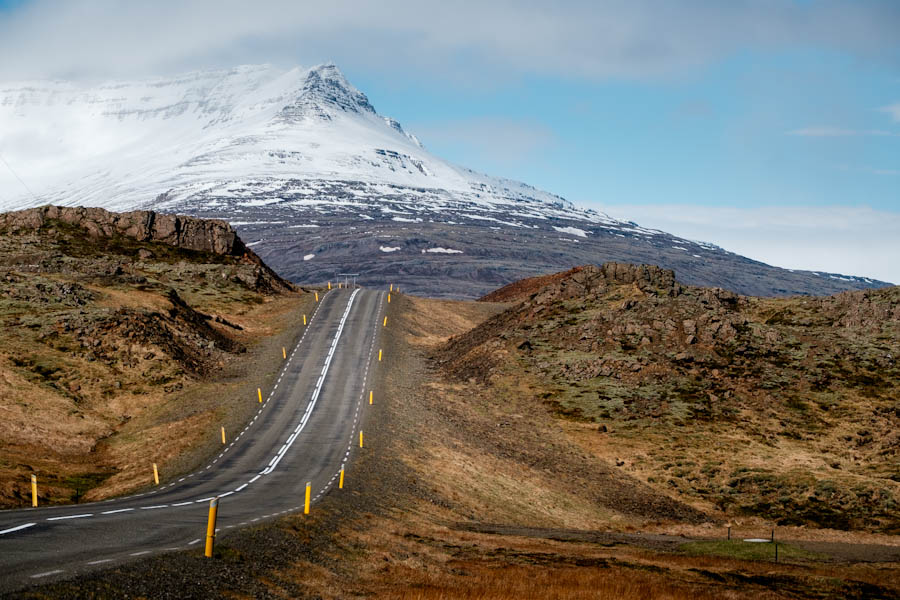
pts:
[46, 574]
[315, 395]
[17, 528]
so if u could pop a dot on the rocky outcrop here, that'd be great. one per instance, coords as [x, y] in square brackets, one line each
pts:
[590, 280]
[190, 233]
[205, 235]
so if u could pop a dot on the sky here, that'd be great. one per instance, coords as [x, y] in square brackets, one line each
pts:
[768, 127]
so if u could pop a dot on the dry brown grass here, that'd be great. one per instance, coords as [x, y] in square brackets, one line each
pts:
[480, 582]
[93, 430]
[429, 323]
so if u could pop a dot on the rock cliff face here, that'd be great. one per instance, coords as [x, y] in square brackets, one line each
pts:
[204, 235]
[190, 233]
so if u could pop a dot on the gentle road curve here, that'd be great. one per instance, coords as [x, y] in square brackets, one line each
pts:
[305, 431]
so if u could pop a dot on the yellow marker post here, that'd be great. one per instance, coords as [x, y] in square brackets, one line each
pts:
[370, 396]
[329, 285]
[379, 355]
[385, 321]
[211, 527]
[392, 288]
[223, 435]
[34, 491]
[155, 474]
[341, 480]
[304, 319]
[259, 393]
[284, 352]
[317, 296]
[389, 298]
[306, 502]
[360, 438]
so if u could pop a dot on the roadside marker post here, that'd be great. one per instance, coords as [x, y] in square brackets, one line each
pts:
[379, 355]
[223, 435]
[389, 298]
[329, 285]
[317, 296]
[306, 502]
[211, 527]
[385, 321]
[341, 480]
[155, 474]
[370, 396]
[283, 353]
[392, 288]
[259, 393]
[360, 438]
[304, 319]
[34, 491]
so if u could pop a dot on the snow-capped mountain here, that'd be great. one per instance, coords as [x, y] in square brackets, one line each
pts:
[320, 183]
[208, 137]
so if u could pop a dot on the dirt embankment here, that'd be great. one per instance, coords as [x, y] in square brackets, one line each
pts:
[125, 340]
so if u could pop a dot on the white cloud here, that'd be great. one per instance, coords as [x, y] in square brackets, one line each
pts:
[466, 38]
[893, 110]
[498, 139]
[839, 132]
[871, 170]
[849, 240]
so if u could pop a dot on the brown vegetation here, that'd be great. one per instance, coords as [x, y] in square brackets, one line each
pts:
[784, 409]
[121, 334]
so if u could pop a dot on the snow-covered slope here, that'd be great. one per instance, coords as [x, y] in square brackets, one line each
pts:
[252, 134]
[319, 183]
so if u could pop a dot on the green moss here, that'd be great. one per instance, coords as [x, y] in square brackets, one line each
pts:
[748, 550]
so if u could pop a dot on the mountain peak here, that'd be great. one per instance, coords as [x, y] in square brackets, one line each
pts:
[326, 92]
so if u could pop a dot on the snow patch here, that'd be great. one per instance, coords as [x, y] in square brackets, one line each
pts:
[389, 248]
[309, 257]
[243, 223]
[440, 250]
[572, 231]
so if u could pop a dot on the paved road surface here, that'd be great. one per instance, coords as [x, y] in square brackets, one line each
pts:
[305, 431]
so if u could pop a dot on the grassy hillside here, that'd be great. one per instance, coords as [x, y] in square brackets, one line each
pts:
[117, 353]
[782, 409]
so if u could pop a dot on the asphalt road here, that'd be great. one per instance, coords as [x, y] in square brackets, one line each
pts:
[306, 430]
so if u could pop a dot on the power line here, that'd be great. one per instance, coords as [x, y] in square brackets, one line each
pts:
[3, 160]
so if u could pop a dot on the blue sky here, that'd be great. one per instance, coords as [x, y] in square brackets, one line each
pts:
[771, 128]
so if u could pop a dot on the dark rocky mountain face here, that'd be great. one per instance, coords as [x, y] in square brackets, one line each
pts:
[468, 253]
